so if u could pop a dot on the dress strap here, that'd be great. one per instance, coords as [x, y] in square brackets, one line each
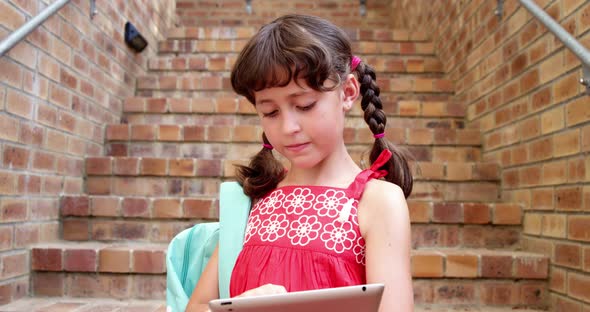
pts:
[357, 187]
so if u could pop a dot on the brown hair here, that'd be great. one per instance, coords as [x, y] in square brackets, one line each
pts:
[313, 49]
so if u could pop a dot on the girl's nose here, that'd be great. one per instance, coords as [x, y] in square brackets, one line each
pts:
[291, 123]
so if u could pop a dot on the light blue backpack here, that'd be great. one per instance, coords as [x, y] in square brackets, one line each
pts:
[190, 250]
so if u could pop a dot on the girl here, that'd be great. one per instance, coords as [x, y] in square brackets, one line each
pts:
[324, 222]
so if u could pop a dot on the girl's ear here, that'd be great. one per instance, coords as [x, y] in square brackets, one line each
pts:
[350, 91]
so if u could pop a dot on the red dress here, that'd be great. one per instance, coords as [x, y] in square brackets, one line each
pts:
[305, 237]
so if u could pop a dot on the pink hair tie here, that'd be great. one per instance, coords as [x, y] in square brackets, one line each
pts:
[267, 146]
[379, 135]
[354, 62]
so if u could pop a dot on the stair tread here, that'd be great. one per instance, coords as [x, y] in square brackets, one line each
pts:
[149, 258]
[40, 304]
[246, 32]
[354, 134]
[364, 48]
[173, 208]
[472, 309]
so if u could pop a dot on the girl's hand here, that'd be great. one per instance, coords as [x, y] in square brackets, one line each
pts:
[268, 289]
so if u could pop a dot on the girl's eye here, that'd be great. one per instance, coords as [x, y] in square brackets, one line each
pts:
[271, 114]
[307, 107]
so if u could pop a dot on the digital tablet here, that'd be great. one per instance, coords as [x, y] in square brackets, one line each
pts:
[364, 298]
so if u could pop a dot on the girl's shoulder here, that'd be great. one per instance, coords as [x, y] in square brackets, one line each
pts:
[382, 202]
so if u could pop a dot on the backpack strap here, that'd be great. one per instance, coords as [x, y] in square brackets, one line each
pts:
[234, 209]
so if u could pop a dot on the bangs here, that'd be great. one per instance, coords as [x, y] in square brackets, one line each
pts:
[278, 54]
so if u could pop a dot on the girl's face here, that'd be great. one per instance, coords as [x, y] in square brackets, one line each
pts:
[302, 124]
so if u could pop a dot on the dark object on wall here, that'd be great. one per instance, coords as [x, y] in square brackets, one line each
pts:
[133, 38]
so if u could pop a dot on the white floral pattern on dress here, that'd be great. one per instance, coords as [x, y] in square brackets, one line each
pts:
[251, 227]
[359, 251]
[338, 237]
[273, 228]
[299, 200]
[304, 230]
[272, 202]
[330, 202]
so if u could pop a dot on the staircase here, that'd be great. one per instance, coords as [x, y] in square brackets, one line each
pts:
[185, 129]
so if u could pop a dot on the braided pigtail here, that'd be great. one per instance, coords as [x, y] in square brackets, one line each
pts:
[398, 169]
[263, 173]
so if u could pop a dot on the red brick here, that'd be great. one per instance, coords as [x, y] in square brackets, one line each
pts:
[11, 74]
[182, 167]
[105, 206]
[135, 207]
[15, 157]
[19, 104]
[75, 206]
[208, 168]
[447, 212]
[80, 260]
[48, 284]
[197, 208]
[579, 228]
[14, 265]
[531, 267]
[474, 213]
[568, 255]
[496, 266]
[149, 261]
[507, 214]
[75, 230]
[169, 133]
[167, 208]
[578, 286]
[8, 128]
[154, 166]
[116, 260]
[117, 132]
[98, 166]
[143, 132]
[126, 166]
[26, 235]
[427, 265]
[569, 198]
[462, 265]
[46, 259]
[43, 161]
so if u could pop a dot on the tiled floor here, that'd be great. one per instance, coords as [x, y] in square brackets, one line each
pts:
[82, 305]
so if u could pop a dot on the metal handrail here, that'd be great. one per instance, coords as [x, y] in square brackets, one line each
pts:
[566, 38]
[19, 34]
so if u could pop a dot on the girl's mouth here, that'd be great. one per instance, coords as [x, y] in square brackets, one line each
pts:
[296, 147]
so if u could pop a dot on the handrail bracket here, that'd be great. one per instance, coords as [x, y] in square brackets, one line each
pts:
[585, 80]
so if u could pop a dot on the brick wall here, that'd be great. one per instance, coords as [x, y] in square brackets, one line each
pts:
[233, 12]
[58, 90]
[520, 86]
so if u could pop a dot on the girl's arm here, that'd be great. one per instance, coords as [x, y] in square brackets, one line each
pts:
[207, 288]
[385, 224]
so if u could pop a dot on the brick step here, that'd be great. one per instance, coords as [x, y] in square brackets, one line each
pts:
[223, 63]
[463, 308]
[355, 134]
[470, 276]
[199, 18]
[169, 187]
[67, 304]
[205, 119]
[158, 219]
[500, 294]
[388, 98]
[134, 227]
[245, 32]
[219, 81]
[214, 150]
[206, 207]
[142, 258]
[195, 167]
[362, 48]
[236, 105]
